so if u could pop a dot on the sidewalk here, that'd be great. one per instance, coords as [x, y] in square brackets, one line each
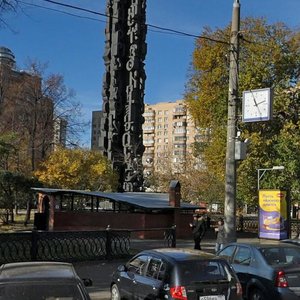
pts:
[101, 271]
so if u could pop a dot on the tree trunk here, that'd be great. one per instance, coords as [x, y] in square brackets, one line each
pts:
[28, 212]
[12, 216]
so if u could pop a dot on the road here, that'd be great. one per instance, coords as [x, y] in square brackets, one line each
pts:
[101, 271]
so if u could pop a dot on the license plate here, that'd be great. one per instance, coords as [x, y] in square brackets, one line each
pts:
[212, 297]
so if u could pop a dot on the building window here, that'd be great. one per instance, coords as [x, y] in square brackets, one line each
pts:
[180, 130]
[180, 138]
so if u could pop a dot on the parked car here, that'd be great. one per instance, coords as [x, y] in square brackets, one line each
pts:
[266, 271]
[175, 274]
[295, 241]
[41, 281]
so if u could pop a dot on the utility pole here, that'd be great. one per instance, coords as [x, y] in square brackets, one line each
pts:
[230, 181]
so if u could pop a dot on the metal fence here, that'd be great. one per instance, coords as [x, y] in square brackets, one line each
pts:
[70, 245]
[250, 224]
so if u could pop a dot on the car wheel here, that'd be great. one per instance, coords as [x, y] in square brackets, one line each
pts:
[115, 294]
[257, 295]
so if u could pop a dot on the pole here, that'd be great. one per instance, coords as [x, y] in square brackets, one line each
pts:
[230, 181]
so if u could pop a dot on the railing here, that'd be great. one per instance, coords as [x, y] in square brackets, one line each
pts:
[72, 246]
[250, 224]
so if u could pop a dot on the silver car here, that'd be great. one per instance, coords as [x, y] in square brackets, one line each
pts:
[266, 271]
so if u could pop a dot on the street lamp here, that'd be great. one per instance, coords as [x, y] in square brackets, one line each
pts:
[260, 175]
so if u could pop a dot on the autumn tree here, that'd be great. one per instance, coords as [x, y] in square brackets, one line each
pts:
[33, 104]
[269, 57]
[49, 102]
[78, 169]
[197, 184]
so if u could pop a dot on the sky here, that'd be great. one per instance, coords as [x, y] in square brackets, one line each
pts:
[74, 46]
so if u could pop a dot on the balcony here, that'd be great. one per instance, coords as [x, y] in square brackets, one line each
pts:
[179, 111]
[148, 142]
[149, 150]
[180, 131]
[149, 114]
[148, 129]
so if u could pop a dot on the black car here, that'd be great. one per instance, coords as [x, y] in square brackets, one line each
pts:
[41, 281]
[266, 271]
[175, 274]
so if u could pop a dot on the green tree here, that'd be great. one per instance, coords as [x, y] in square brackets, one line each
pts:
[269, 57]
[15, 191]
[78, 169]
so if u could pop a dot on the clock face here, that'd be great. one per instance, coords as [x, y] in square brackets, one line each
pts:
[257, 105]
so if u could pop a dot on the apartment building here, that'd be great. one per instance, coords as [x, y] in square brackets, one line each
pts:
[27, 113]
[96, 130]
[168, 134]
[60, 133]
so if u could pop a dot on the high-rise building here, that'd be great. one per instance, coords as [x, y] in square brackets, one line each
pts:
[25, 112]
[169, 132]
[96, 130]
[60, 132]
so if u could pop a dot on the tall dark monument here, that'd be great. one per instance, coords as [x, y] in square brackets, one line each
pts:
[123, 90]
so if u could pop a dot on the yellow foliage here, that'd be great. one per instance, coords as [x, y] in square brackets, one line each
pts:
[77, 169]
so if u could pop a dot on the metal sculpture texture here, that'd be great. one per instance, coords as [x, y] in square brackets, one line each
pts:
[123, 90]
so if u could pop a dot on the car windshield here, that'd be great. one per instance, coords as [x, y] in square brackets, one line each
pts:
[281, 255]
[204, 271]
[34, 291]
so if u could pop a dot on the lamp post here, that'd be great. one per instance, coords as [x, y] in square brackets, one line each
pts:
[261, 173]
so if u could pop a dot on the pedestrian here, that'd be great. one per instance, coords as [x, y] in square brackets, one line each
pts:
[220, 230]
[208, 222]
[198, 227]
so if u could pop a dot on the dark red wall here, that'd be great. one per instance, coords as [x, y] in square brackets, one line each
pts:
[100, 220]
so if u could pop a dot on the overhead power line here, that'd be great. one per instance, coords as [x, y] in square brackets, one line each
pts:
[63, 12]
[156, 27]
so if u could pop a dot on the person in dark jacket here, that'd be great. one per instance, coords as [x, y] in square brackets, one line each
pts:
[198, 229]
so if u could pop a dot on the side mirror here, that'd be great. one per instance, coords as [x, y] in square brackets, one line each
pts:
[87, 281]
[122, 268]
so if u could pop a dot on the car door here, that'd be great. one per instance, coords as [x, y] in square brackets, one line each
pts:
[130, 278]
[149, 286]
[241, 263]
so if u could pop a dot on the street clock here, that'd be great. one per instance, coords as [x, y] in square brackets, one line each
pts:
[257, 105]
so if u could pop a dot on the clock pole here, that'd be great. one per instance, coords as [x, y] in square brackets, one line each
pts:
[230, 180]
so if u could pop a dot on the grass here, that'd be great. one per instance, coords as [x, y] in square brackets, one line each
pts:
[18, 224]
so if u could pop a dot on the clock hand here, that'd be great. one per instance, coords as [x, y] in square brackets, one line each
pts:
[260, 103]
[253, 96]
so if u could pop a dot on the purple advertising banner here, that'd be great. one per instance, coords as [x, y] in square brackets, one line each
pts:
[273, 222]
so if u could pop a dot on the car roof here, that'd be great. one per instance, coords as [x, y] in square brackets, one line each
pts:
[295, 241]
[38, 271]
[180, 254]
[265, 245]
